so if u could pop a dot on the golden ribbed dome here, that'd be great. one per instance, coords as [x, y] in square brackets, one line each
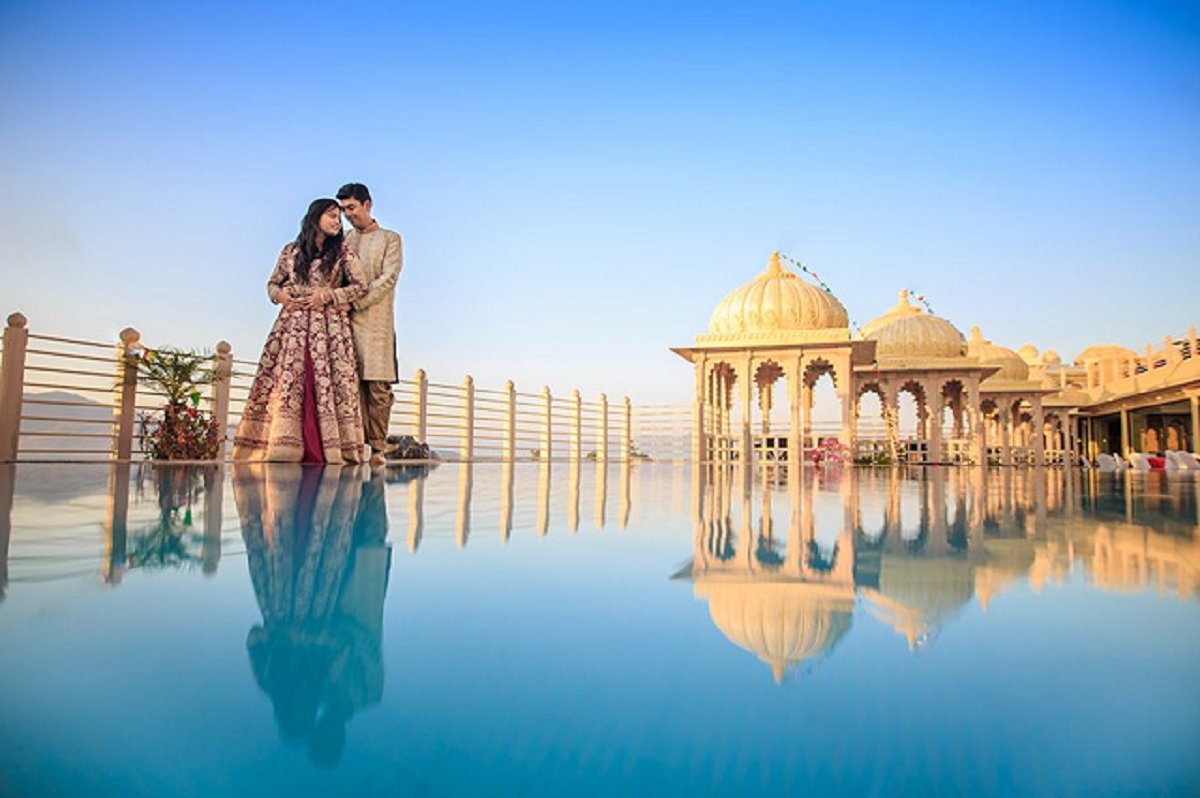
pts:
[907, 331]
[1012, 366]
[781, 623]
[777, 303]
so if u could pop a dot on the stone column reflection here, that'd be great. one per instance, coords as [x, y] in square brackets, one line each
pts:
[8, 477]
[462, 516]
[626, 499]
[214, 500]
[573, 469]
[506, 500]
[116, 532]
[601, 491]
[416, 513]
[543, 521]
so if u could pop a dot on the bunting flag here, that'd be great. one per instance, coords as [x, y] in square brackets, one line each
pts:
[920, 298]
[817, 279]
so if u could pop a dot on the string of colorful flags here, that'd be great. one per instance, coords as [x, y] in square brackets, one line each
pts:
[817, 279]
[920, 298]
[825, 287]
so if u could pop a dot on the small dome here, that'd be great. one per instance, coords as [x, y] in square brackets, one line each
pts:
[1029, 354]
[907, 331]
[777, 301]
[1051, 358]
[1012, 366]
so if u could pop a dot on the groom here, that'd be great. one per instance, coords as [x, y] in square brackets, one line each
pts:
[381, 253]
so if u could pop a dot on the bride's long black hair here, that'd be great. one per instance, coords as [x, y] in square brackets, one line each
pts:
[307, 240]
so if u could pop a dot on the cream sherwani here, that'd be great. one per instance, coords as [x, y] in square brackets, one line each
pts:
[381, 254]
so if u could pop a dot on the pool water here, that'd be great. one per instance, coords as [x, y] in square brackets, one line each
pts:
[597, 629]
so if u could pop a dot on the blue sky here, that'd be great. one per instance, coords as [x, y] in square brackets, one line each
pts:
[578, 185]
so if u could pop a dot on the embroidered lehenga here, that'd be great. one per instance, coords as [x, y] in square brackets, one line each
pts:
[304, 405]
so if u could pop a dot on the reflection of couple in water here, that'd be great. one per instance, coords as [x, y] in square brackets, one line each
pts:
[324, 383]
[316, 546]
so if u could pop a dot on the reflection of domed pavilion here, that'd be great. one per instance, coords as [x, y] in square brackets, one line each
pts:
[778, 326]
[782, 623]
[918, 595]
[781, 570]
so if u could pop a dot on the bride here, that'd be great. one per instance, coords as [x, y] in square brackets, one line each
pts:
[304, 405]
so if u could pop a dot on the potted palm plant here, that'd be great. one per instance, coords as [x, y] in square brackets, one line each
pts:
[179, 430]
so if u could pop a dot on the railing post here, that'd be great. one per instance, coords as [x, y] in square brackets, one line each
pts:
[12, 386]
[223, 369]
[602, 430]
[546, 421]
[128, 352]
[627, 431]
[467, 438]
[421, 406]
[576, 425]
[510, 421]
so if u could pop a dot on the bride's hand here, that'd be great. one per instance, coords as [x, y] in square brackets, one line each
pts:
[294, 302]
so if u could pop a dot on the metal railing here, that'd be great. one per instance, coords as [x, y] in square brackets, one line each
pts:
[67, 399]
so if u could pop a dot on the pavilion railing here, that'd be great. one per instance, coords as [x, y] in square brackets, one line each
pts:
[69, 399]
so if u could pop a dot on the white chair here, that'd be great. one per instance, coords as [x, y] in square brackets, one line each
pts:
[1171, 462]
[1184, 461]
[1108, 464]
[1138, 462]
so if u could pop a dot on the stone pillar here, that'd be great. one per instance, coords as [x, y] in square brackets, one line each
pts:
[223, 369]
[626, 431]
[1039, 432]
[12, 386]
[699, 414]
[602, 431]
[846, 395]
[547, 419]
[420, 419]
[128, 354]
[576, 425]
[467, 424]
[795, 430]
[1125, 445]
[934, 401]
[510, 423]
[806, 404]
[747, 440]
[1006, 431]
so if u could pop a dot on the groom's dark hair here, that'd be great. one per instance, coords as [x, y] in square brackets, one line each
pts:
[356, 190]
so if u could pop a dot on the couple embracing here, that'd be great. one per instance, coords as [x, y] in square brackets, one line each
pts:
[323, 391]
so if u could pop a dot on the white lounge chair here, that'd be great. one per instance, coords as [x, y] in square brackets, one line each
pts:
[1182, 461]
[1108, 464]
[1138, 462]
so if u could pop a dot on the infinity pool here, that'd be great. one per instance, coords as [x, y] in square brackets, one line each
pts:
[576, 630]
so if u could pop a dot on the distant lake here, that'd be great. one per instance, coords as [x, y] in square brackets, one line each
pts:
[584, 629]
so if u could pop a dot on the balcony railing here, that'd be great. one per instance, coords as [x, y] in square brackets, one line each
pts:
[67, 399]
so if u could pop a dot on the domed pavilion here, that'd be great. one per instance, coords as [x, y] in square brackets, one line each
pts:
[780, 326]
[777, 326]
